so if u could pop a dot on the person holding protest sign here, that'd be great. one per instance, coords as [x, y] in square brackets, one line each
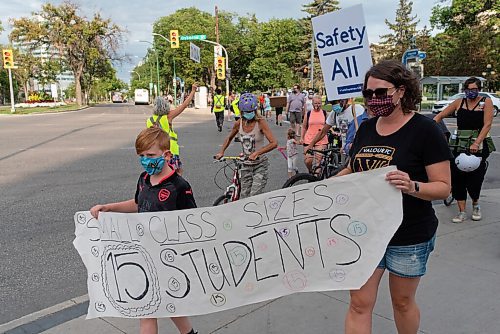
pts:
[399, 136]
[159, 188]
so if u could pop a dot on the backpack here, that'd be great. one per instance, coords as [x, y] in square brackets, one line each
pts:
[309, 114]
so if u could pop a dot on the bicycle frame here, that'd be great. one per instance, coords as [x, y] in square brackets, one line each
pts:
[233, 190]
[330, 157]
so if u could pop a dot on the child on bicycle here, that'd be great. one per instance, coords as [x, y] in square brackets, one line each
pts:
[291, 153]
[153, 147]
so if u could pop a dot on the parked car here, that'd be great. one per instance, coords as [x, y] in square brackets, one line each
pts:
[440, 105]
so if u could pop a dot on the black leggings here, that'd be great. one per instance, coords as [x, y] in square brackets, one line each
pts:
[467, 182]
[219, 118]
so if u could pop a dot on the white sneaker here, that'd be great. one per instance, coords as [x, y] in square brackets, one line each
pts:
[476, 212]
[460, 218]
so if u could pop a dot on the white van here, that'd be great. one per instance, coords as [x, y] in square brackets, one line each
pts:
[141, 96]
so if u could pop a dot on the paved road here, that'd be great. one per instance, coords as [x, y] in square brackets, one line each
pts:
[54, 165]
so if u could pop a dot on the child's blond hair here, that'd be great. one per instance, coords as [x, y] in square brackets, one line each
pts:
[149, 136]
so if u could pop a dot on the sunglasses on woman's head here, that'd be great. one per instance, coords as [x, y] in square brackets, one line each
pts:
[379, 92]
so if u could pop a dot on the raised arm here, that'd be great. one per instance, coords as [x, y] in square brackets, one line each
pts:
[177, 111]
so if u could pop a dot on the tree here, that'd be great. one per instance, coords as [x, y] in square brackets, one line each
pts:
[470, 36]
[403, 29]
[73, 36]
[315, 8]
[276, 61]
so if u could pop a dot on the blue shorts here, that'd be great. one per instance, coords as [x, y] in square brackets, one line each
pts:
[407, 261]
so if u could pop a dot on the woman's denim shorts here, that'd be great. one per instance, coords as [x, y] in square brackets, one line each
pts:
[407, 261]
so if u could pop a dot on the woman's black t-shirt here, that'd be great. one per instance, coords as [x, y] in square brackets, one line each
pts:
[416, 144]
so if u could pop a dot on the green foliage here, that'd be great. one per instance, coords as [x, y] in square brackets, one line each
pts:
[469, 40]
[76, 38]
[395, 43]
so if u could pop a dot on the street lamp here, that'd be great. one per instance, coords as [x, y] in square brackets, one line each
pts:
[137, 74]
[173, 59]
[157, 67]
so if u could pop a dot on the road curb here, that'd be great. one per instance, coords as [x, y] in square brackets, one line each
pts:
[42, 320]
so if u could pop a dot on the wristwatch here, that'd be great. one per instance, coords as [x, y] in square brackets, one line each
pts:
[417, 186]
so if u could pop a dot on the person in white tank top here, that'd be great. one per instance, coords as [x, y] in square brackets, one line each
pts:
[251, 130]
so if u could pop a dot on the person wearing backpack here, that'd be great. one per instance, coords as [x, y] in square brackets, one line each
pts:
[314, 121]
[163, 118]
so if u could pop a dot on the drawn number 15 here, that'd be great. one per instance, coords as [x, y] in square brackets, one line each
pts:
[114, 258]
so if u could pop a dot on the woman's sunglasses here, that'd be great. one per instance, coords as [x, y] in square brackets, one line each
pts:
[379, 93]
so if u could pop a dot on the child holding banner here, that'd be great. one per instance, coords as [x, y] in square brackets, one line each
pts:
[159, 188]
[399, 136]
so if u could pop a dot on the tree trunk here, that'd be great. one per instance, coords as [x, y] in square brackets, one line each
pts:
[78, 90]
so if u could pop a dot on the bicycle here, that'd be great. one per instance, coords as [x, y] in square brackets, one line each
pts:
[233, 190]
[329, 166]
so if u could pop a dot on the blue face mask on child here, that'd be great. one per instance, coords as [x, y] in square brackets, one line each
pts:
[249, 115]
[152, 166]
[337, 108]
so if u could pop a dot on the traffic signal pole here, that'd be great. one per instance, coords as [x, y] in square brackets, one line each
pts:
[227, 63]
[12, 108]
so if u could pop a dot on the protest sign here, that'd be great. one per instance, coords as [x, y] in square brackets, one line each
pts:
[327, 235]
[344, 51]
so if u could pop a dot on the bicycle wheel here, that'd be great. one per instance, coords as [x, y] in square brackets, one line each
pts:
[300, 178]
[222, 199]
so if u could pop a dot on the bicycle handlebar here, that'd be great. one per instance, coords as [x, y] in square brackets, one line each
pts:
[325, 151]
[222, 159]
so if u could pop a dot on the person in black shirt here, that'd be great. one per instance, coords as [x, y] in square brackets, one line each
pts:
[474, 112]
[159, 188]
[399, 136]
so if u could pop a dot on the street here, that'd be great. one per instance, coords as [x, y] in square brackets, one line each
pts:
[56, 164]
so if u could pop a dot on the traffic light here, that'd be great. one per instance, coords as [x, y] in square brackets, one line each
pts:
[8, 58]
[174, 39]
[221, 68]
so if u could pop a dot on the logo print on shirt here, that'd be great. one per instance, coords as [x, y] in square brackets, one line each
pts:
[163, 195]
[373, 157]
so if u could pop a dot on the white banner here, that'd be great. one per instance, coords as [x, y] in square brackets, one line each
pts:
[328, 235]
[344, 51]
[194, 52]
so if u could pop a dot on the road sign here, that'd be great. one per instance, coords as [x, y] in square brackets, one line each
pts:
[410, 54]
[422, 55]
[194, 52]
[193, 37]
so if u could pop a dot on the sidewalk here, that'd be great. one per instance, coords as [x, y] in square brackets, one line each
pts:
[459, 294]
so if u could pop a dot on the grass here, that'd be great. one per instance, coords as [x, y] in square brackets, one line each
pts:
[24, 111]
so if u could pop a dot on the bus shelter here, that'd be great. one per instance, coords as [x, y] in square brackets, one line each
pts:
[441, 81]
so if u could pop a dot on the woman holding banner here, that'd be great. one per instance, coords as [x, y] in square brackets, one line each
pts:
[399, 136]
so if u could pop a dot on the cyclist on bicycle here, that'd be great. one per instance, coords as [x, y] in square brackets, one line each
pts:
[314, 121]
[251, 130]
[340, 117]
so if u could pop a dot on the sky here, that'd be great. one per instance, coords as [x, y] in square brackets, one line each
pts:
[138, 16]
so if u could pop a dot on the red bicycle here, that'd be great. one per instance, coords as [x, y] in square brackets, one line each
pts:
[233, 190]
